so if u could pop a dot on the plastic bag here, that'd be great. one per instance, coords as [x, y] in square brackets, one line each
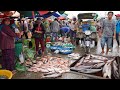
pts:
[21, 58]
[115, 51]
[56, 51]
[16, 30]
[29, 53]
[20, 67]
[99, 50]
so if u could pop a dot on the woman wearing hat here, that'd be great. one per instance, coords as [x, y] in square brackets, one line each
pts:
[38, 34]
[7, 45]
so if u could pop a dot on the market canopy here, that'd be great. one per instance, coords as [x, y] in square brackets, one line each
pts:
[4, 14]
[61, 12]
[49, 14]
[61, 18]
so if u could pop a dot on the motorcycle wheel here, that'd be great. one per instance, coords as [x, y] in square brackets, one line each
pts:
[87, 50]
[95, 43]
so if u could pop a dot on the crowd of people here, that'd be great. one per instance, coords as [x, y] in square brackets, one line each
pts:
[12, 31]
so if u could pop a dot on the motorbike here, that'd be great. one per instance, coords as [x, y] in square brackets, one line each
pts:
[88, 40]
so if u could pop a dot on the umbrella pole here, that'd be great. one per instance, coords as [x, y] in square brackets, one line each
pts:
[33, 14]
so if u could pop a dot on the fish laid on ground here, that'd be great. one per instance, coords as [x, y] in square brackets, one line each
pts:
[90, 70]
[88, 56]
[79, 68]
[80, 62]
[58, 65]
[96, 61]
[98, 57]
[53, 75]
[115, 69]
[83, 66]
[107, 70]
[43, 70]
[49, 73]
[98, 65]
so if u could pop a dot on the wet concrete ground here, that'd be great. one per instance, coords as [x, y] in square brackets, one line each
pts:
[96, 50]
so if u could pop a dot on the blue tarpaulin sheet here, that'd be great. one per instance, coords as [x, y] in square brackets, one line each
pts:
[48, 15]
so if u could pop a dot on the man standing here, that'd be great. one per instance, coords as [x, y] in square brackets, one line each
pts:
[55, 28]
[117, 28]
[108, 32]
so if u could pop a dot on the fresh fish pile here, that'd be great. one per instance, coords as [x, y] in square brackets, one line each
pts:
[50, 65]
[74, 56]
[107, 69]
[94, 63]
[115, 70]
[90, 64]
[110, 70]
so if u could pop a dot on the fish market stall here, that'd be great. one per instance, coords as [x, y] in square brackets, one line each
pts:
[50, 67]
[103, 66]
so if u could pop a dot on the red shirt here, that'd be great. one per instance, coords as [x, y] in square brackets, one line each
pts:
[38, 28]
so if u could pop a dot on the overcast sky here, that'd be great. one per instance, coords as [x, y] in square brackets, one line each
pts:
[100, 13]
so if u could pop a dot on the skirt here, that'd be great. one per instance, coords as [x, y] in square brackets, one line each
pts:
[8, 59]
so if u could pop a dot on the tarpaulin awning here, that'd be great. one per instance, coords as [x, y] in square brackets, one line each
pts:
[61, 18]
[55, 14]
[45, 15]
[28, 13]
[9, 14]
[43, 12]
[32, 14]
[61, 12]
[48, 15]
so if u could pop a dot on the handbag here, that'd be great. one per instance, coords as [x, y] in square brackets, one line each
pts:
[21, 58]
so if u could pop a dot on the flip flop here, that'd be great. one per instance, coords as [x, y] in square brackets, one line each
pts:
[14, 72]
[101, 53]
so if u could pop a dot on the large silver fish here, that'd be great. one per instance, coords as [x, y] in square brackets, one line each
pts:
[99, 65]
[115, 70]
[90, 70]
[107, 69]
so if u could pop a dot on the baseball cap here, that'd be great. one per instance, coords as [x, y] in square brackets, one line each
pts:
[117, 15]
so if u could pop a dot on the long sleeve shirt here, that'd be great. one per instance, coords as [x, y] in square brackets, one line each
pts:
[7, 38]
